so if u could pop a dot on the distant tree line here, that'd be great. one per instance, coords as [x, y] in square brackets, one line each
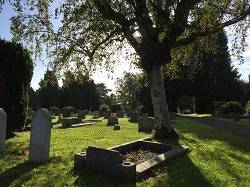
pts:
[78, 90]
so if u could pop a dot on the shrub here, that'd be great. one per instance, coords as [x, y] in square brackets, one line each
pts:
[232, 107]
[55, 110]
[218, 107]
[68, 111]
[16, 69]
[248, 107]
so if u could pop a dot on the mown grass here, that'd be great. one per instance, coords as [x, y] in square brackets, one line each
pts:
[215, 159]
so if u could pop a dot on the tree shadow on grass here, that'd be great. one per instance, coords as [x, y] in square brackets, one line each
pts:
[178, 171]
[18, 172]
[204, 132]
[87, 179]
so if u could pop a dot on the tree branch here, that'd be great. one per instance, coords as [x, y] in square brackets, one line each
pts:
[106, 10]
[161, 14]
[194, 35]
[181, 15]
[142, 18]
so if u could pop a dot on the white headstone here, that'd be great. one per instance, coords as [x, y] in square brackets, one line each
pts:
[40, 136]
[3, 125]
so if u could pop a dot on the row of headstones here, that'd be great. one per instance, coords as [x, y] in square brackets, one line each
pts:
[146, 123]
[97, 113]
[39, 135]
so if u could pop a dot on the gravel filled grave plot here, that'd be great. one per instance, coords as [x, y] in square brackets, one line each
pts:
[127, 161]
[138, 156]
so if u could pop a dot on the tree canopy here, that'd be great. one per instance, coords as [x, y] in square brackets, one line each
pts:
[93, 30]
[16, 70]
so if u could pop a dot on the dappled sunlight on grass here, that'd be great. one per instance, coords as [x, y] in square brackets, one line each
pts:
[197, 115]
[215, 158]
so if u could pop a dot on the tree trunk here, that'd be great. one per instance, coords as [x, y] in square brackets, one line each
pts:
[161, 112]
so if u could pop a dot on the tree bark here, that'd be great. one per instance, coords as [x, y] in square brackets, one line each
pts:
[161, 112]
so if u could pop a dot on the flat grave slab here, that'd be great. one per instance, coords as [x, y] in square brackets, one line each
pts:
[128, 161]
[83, 124]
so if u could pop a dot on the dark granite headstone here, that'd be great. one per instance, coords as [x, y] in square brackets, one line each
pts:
[134, 117]
[112, 121]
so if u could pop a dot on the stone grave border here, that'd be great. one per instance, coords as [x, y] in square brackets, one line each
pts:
[142, 168]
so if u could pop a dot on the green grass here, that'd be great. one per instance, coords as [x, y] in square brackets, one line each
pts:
[215, 159]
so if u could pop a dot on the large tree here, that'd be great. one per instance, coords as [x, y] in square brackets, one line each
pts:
[215, 79]
[48, 90]
[78, 90]
[93, 28]
[16, 69]
[127, 91]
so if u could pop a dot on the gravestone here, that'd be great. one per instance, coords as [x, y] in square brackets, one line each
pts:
[112, 120]
[134, 117]
[81, 114]
[120, 114]
[3, 126]
[109, 162]
[40, 136]
[146, 124]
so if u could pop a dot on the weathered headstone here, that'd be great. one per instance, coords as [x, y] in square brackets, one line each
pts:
[134, 117]
[112, 120]
[3, 126]
[81, 114]
[146, 124]
[120, 114]
[40, 136]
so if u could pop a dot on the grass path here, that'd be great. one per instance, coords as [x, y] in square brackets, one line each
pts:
[216, 158]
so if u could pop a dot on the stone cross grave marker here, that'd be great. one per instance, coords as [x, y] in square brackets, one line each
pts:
[40, 136]
[3, 126]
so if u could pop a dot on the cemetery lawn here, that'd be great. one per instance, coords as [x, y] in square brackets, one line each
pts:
[215, 159]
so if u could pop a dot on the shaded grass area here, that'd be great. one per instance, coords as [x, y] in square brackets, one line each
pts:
[215, 159]
[241, 122]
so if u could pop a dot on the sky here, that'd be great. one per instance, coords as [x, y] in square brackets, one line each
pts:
[99, 76]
